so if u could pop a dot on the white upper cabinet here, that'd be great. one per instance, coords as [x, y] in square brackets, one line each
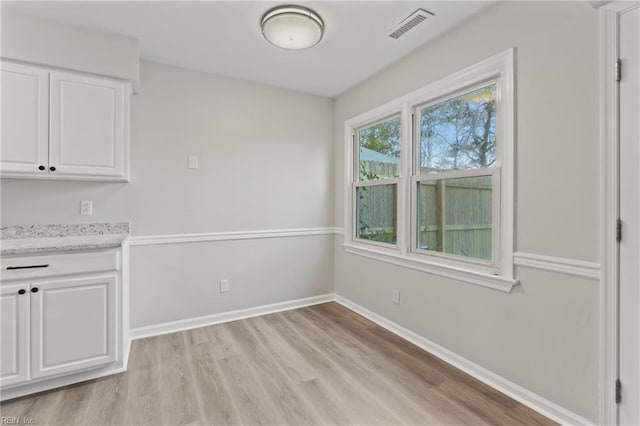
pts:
[82, 125]
[25, 119]
[87, 131]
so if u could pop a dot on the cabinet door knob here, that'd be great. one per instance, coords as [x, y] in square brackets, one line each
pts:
[41, 167]
[34, 290]
[52, 169]
[21, 291]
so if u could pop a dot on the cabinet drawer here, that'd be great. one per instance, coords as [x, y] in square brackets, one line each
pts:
[48, 265]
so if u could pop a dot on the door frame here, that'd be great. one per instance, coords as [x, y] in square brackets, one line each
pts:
[609, 15]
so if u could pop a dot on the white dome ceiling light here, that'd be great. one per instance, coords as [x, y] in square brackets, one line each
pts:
[292, 27]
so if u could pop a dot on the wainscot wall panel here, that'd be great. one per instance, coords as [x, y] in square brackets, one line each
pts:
[182, 281]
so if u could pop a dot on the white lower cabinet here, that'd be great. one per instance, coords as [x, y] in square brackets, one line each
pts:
[14, 340]
[61, 318]
[72, 324]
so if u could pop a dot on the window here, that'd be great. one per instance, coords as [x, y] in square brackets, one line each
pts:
[376, 186]
[430, 177]
[456, 173]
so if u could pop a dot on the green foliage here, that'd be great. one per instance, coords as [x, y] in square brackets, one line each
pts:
[365, 175]
[362, 205]
[380, 236]
[383, 137]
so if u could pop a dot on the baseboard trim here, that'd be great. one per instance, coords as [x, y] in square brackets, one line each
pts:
[520, 394]
[148, 240]
[127, 352]
[575, 267]
[191, 323]
[57, 382]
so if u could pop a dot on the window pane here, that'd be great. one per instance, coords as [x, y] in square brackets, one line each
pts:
[376, 213]
[459, 133]
[379, 150]
[455, 216]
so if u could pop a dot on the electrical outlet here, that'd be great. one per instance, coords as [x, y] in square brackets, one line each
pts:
[192, 161]
[396, 296]
[224, 286]
[86, 208]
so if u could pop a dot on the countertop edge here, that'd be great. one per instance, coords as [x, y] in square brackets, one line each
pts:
[115, 241]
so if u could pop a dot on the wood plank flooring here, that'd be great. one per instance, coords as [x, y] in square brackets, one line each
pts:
[321, 365]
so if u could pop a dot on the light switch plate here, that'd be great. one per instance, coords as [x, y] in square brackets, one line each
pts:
[192, 161]
[86, 208]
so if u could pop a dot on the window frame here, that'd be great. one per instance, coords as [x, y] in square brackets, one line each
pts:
[494, 265]
[357, 183]
[497, 274]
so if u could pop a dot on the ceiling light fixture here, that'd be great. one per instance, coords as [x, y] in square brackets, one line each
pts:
[292, 27]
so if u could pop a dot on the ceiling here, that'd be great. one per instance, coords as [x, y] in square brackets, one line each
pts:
[224, 38]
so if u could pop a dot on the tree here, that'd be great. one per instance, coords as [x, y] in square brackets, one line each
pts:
[383, 137]
[459, 133]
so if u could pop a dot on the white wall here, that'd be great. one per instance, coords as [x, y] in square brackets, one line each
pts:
[265, 163]
[268, 161]
[179, 281]
[544, 335]
[45, 42]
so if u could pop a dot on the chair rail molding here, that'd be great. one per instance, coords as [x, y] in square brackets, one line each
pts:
[578, 268]
[148, 240]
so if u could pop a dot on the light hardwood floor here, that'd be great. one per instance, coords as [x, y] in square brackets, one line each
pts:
[320, 365]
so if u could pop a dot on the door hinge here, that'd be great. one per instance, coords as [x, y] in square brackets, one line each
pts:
[619, 230]
[618, 70]
[618, 391]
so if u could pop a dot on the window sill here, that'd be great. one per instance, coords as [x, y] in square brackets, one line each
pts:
[495, 282]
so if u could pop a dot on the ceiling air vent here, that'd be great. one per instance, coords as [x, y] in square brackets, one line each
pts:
[409, 23]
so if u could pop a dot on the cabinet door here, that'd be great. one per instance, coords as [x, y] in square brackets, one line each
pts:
[87, 125]
[72, 324]
[25, 119]
[14, 337]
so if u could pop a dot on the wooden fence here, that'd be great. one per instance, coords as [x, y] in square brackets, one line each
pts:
[455, 216]
[377, 213]
[383, 170]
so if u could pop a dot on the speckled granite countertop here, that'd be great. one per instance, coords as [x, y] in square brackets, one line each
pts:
[27, 239]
